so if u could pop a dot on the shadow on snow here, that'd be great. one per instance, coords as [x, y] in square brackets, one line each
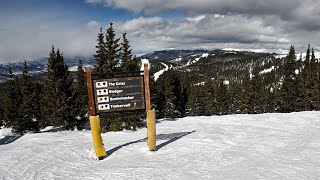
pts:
[172, 137]
[8, 139]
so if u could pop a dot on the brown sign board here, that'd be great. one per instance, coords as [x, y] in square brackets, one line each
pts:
[119, 94]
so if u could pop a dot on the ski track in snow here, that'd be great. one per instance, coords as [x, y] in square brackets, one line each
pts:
[266, 146]
[157, 74]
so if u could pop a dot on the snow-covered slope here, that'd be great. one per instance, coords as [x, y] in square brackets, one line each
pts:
[157, 74]
[267, 146]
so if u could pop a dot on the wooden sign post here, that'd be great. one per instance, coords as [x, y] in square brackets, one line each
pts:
[94, 120]
[119, 94]
[151, 114]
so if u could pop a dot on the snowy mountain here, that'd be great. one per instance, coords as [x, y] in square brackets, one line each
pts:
[39, 66]
[194, 57]
[265, 146]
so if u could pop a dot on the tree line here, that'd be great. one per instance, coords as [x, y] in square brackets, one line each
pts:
[293, 84]
[61, 100]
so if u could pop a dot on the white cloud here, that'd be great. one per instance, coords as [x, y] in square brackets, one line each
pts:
[209, 24]
[205, 31]
[305, 14]
[32, 37]
[93, 25]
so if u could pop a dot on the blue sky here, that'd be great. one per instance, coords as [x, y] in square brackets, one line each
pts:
[28, 28]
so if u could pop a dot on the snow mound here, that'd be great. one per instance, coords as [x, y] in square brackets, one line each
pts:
[5, 132]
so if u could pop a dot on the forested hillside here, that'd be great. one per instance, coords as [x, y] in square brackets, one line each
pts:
[191, 83]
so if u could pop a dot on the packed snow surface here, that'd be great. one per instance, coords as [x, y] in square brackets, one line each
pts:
[266, 146]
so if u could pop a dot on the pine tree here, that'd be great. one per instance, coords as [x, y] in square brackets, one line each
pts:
[313, 91]
[101, 53]
[1, 115]
[171, 88]
[258, 95]
[58, 94]
[156, 96]
[81, 97]
[12, 105]
[11, 100]
[289, 89]
[223, 99]
[126, 55]
[246, 94]
[209, 92]
[29, 108]
[195, 105]
[307, 60]
[113, 49]
[301, 100]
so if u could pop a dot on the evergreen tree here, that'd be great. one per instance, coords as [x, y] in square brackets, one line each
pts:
[223, 99]
[156, 96]
[258, 95]
[1, 115]
[301, 100]
[171, 88]
[307, 60]
[29, 106]
[81, 97]
[209, 92]
[271, 100]
[289, 89]
[58, 94]
[313, 74]
[113, 49]
[12, 100]
[246, 94]
[195, 105]
[101, 53]
[126, 55]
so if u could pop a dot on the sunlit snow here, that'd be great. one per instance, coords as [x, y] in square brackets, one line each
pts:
[265, 146]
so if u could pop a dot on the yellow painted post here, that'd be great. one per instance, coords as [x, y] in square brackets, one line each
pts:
[96, 136]
[151, 114]
[151, 129]
[94, 120]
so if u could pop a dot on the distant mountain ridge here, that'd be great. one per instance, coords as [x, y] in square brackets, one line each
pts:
[37, 66]
[174, 58]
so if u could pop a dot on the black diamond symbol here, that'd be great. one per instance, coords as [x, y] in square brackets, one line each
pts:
[104, 83]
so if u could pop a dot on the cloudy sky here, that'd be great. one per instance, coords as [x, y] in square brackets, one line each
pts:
[28, 28]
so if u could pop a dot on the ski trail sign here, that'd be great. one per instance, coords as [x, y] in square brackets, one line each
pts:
[119, 94]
